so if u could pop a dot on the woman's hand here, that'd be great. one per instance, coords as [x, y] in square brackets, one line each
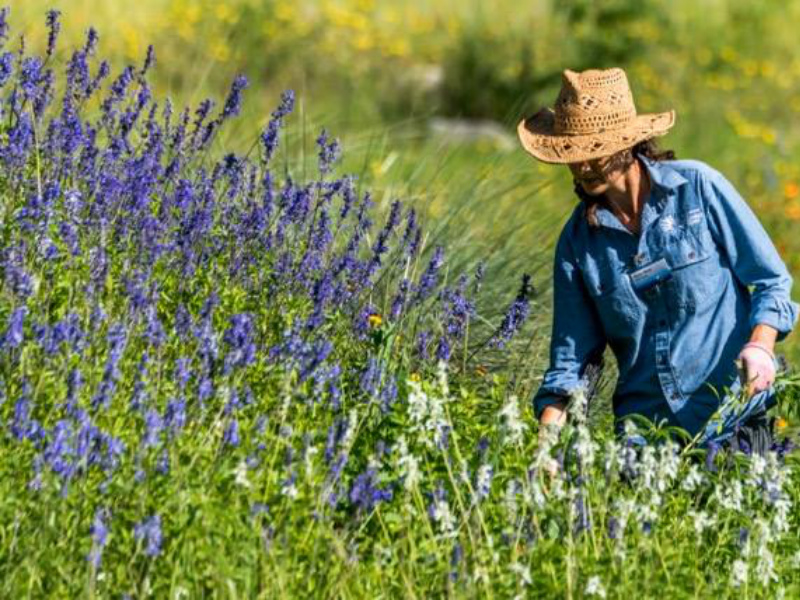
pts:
[757, 368]
[553, 418]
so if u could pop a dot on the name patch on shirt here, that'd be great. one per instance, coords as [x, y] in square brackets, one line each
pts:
[694, 216]
[651, 274]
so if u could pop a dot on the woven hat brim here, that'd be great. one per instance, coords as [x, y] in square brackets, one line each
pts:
[538, 137]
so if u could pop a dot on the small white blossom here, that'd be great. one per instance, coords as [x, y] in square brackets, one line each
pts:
[484, 482]
[731, 496]
[586, 448]
[510, 500]
[701, 521]
[694, 479]
[241, 475]
[523, 571]
[409, 466]
[443, 516]
[594, 587]
[738, 573]
[514, 426]
[612, 458]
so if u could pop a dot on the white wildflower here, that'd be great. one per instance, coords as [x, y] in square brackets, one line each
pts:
[701, 521]
[586, 447]
[417, 403]
[536, 495]
[484, 483]
[780, 518]
[758, 467]
[289, 489]
[510, 499]
[766, 561]
[309, 460]
[693, 480]
[523, 571]
[427, 414]
[441, 513]
[514, 426]
[441, 372]
[649, 468]
[738, 573]
[542, 459]
[578, 404]
[730, 497]
[668, 464]
[240, 475]
[594, 587]
[409, 466]
[612, 458]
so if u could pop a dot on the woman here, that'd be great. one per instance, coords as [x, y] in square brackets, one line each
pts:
[654, 261]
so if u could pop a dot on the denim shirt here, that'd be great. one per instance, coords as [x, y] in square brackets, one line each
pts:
[675, 341]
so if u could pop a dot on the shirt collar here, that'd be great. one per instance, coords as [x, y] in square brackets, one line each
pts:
[662, 175]
[663, 179]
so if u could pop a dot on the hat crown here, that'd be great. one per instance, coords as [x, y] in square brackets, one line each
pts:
[593, 101]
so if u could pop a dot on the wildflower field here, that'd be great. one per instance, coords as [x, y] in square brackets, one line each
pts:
[245, 353]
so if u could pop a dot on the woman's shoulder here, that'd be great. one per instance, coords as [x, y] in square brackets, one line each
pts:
[692, 169]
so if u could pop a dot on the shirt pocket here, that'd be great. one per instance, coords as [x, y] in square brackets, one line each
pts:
[695, 280]
[612, 294]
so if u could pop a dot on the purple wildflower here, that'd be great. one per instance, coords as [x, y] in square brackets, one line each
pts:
[99, 531]
[14, 332]
[329, 151]
[149, 531]
[54, 27]
[269, 138]
[515, 315]
[230, 436]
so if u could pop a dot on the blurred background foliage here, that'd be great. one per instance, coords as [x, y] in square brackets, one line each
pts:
[425, 97]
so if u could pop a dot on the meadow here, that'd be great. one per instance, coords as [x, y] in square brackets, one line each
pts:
[275, 299]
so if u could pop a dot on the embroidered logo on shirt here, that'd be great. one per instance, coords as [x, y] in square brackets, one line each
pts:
[694, 216]
[668, 223]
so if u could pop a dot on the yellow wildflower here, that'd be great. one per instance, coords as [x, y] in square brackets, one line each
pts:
[792, 210]
[791, 190]
[375, 320]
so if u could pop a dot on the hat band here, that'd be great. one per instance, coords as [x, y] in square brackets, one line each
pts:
[581, 125]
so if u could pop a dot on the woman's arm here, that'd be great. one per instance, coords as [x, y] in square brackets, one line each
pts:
[752, 256]
[755, 262]
[577, 336]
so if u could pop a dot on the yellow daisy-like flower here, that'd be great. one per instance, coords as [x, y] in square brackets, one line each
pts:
[375, 320]
[791, 190]
[781, 423]
[414, 377]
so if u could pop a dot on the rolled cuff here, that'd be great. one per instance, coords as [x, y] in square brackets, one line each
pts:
[779, 313]
[547, 395]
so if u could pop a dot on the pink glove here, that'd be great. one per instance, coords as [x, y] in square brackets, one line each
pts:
[757, 368]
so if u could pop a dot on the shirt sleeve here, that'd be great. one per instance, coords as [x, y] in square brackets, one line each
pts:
[577, 335]
[753, 257]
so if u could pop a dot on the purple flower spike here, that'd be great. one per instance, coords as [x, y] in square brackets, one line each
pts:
[149, 531]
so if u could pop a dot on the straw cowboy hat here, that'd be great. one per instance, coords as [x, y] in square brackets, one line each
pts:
[594, 116]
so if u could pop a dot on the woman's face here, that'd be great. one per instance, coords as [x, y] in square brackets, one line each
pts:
[596, 176]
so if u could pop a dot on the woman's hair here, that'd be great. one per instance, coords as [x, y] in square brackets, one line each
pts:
[647, 148]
